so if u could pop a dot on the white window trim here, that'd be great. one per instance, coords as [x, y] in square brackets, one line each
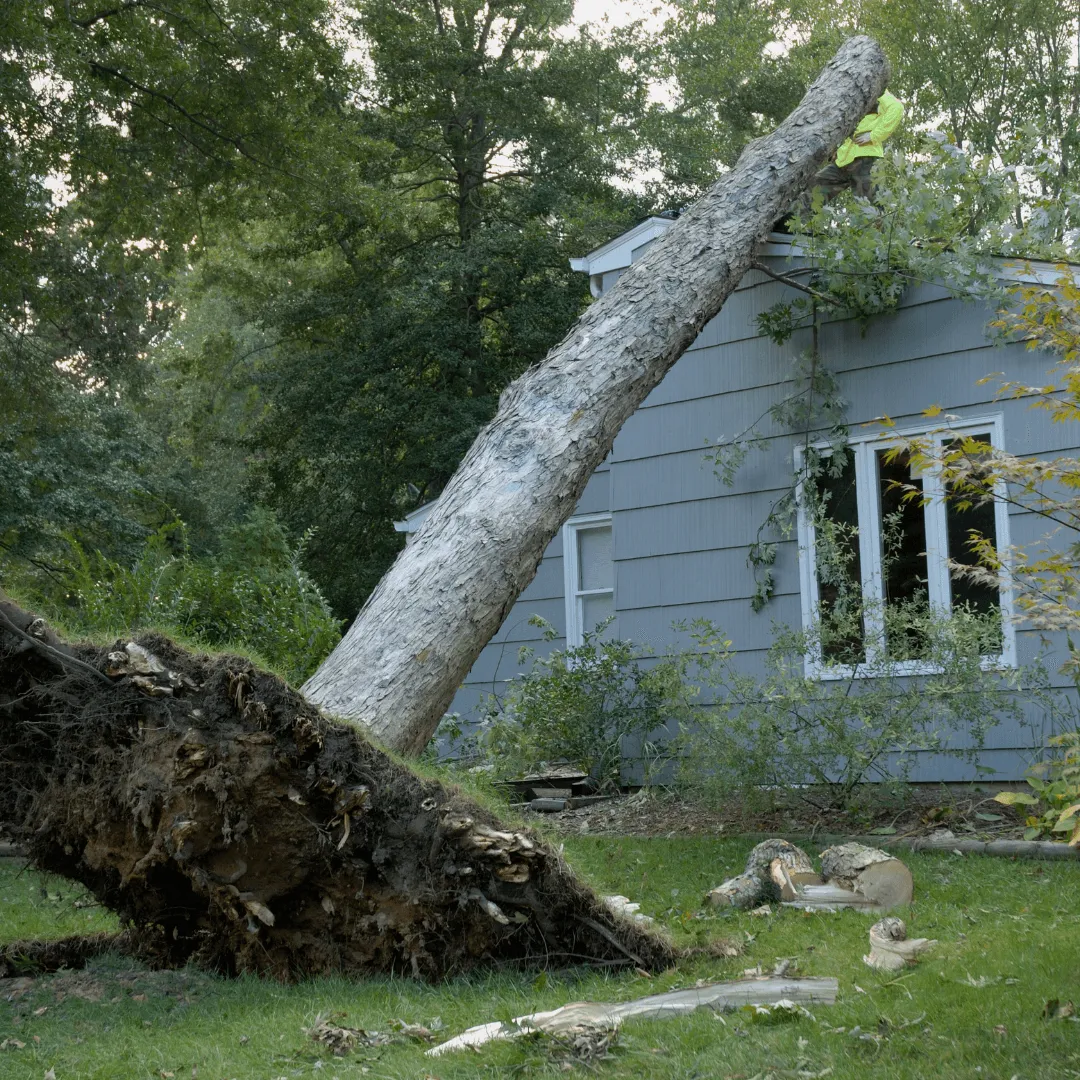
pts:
[572, 594]
[865, 447]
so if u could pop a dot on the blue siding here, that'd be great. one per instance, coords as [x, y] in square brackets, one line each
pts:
[681, 537]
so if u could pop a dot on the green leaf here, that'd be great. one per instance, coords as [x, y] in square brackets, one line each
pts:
[882, 830]
[1032, 832]
[988, 817]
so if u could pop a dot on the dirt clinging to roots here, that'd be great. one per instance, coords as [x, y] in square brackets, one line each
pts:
[229, 823]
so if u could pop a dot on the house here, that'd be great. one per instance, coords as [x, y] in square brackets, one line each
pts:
[656, 537]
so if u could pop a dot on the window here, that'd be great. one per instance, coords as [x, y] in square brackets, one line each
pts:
[589, 574]
[866, 551]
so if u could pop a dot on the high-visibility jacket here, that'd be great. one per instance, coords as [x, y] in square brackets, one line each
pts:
[880, 125]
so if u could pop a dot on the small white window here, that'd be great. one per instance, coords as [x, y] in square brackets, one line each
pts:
[589, 575]
[896, 550]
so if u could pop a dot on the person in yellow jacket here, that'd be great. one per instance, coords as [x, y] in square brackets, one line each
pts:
[856, 155]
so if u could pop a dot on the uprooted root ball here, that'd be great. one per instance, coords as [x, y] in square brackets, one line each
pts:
[231, 824]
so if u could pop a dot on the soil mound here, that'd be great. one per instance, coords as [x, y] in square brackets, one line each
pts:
[231, 824]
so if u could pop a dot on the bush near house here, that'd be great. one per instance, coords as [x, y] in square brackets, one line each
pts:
[822, 736]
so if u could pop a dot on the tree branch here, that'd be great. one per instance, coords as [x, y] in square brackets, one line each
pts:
[232, 140]
[785, 280]
[100, 16]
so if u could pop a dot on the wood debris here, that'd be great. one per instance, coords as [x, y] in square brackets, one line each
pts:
[880, 877]
[720, 997]
[852, 875]
[890, 949]
[768, 861]
[623, 905]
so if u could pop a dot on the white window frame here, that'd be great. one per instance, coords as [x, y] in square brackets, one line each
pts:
[574, 595]
[939, 585]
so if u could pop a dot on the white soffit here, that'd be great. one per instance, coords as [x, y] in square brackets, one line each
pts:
[415, 519]
[617, 254]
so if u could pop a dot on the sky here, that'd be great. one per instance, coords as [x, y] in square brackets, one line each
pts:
[619, 12]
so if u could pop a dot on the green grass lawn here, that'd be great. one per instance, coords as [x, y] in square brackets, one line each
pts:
[1009, 936]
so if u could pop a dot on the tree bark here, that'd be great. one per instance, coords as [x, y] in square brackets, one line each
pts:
[399, 666]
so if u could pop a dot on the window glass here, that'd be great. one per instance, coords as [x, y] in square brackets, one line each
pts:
[960, 524]
[594, 610]
[903, 531]
[594, 559]
[839, 572]
[903, 555]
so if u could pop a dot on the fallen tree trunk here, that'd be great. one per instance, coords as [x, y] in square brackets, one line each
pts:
[231, 824]
[416, 638]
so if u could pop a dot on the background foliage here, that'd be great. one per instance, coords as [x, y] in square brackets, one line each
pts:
[261, 257]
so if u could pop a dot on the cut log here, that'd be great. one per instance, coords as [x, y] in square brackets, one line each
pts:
[768, 866]
[890, 949]
[410, 648]
[829, 897]
[234, 826]
[791, 882]
[768, 990]
[880, 877]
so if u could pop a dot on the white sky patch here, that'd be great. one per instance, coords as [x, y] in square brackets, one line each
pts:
[621, 12]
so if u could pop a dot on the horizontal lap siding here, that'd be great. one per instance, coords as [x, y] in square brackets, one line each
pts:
[681, 537]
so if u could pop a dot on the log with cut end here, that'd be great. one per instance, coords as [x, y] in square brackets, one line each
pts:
[772, 867]
[232, 825]
[871, 873]
[410, 648]
[890, 949]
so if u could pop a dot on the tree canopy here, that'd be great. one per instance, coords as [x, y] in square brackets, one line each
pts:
[282, 259]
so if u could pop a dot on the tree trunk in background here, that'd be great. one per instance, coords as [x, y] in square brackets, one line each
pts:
[399, 666]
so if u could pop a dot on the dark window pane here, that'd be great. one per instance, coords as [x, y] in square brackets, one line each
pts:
[961, 523]
[839, 574]
[903, 550]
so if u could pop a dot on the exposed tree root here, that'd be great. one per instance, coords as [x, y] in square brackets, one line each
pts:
[231, 824]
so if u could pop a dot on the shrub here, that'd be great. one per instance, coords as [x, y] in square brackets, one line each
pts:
[581, 704]
[822, 738]
[1056, 783]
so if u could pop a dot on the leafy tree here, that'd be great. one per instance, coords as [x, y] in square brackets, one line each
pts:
[1000, 73]
[732, 69]
[122, 125]
[509, 134]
